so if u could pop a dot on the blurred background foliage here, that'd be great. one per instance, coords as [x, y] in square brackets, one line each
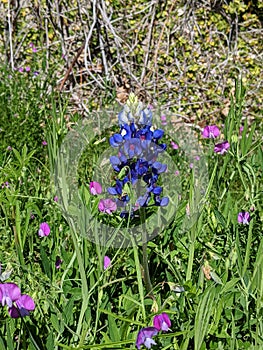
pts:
[182, 55]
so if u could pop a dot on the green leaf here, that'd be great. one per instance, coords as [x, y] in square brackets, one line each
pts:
[202, 317]
[45, 261]
[113, 329]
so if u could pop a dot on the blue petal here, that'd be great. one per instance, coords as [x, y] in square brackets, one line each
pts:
[157, 134]
[112, 191]
[164, 202]
[115, 160]
[157, 190]
[118, 138]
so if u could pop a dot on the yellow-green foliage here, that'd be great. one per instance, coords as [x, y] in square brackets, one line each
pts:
[185, 55]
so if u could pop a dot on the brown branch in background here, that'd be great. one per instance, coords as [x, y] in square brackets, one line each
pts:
[148, 42]
[71, 66]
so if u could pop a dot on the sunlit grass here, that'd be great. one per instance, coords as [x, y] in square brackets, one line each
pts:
[206, 273]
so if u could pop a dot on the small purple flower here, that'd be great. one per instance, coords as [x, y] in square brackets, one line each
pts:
[6, 185]
[44, 230]
[58, 263]
[243, 218]
[174, 145]
[55, 199]
[95, 188]
[36, 73]
[145, 337]
[176, 172]
[211, 132]
[107, 206]
[21, 69]
[27, 69]
[191, 165]
[24, 304]
[44, 143]
[163, 120]
[9, 148]
[222, 147]
[106, 262]
[162, 322]
[241, 129]
[9, 292]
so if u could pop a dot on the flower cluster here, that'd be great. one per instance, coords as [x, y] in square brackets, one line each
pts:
[138, 146]
[212, 132]
[161, 322]
[18, 304]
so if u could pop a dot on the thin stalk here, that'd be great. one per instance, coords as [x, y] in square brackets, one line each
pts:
[191, 255]
[147, 279]
[249, 242]
[139, 276]
[84, 285]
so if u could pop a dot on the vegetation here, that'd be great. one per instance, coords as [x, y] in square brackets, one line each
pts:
[68, 70]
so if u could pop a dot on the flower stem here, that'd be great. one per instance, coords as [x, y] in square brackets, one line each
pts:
[145, 264]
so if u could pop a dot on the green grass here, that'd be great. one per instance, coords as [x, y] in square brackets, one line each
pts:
[81, 306]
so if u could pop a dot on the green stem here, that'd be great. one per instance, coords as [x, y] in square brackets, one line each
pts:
[139, 276]
[191, 255]
[84, 285]
[145, 264]
[249, 242]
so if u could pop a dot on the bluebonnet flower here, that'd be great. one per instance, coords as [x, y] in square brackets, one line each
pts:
[138, 146]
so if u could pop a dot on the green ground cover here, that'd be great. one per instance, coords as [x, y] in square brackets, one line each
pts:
[198, 65]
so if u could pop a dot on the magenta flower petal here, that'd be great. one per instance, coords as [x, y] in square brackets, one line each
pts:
[95, 188]
[222, 147]
[162, 322]
[243, 218]
[210, 132]
[23, 305]
[107, 206]
[9, 292]
[44, 229]
[106, 262]
[174, 145]
[144, 337]
[58, 263]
